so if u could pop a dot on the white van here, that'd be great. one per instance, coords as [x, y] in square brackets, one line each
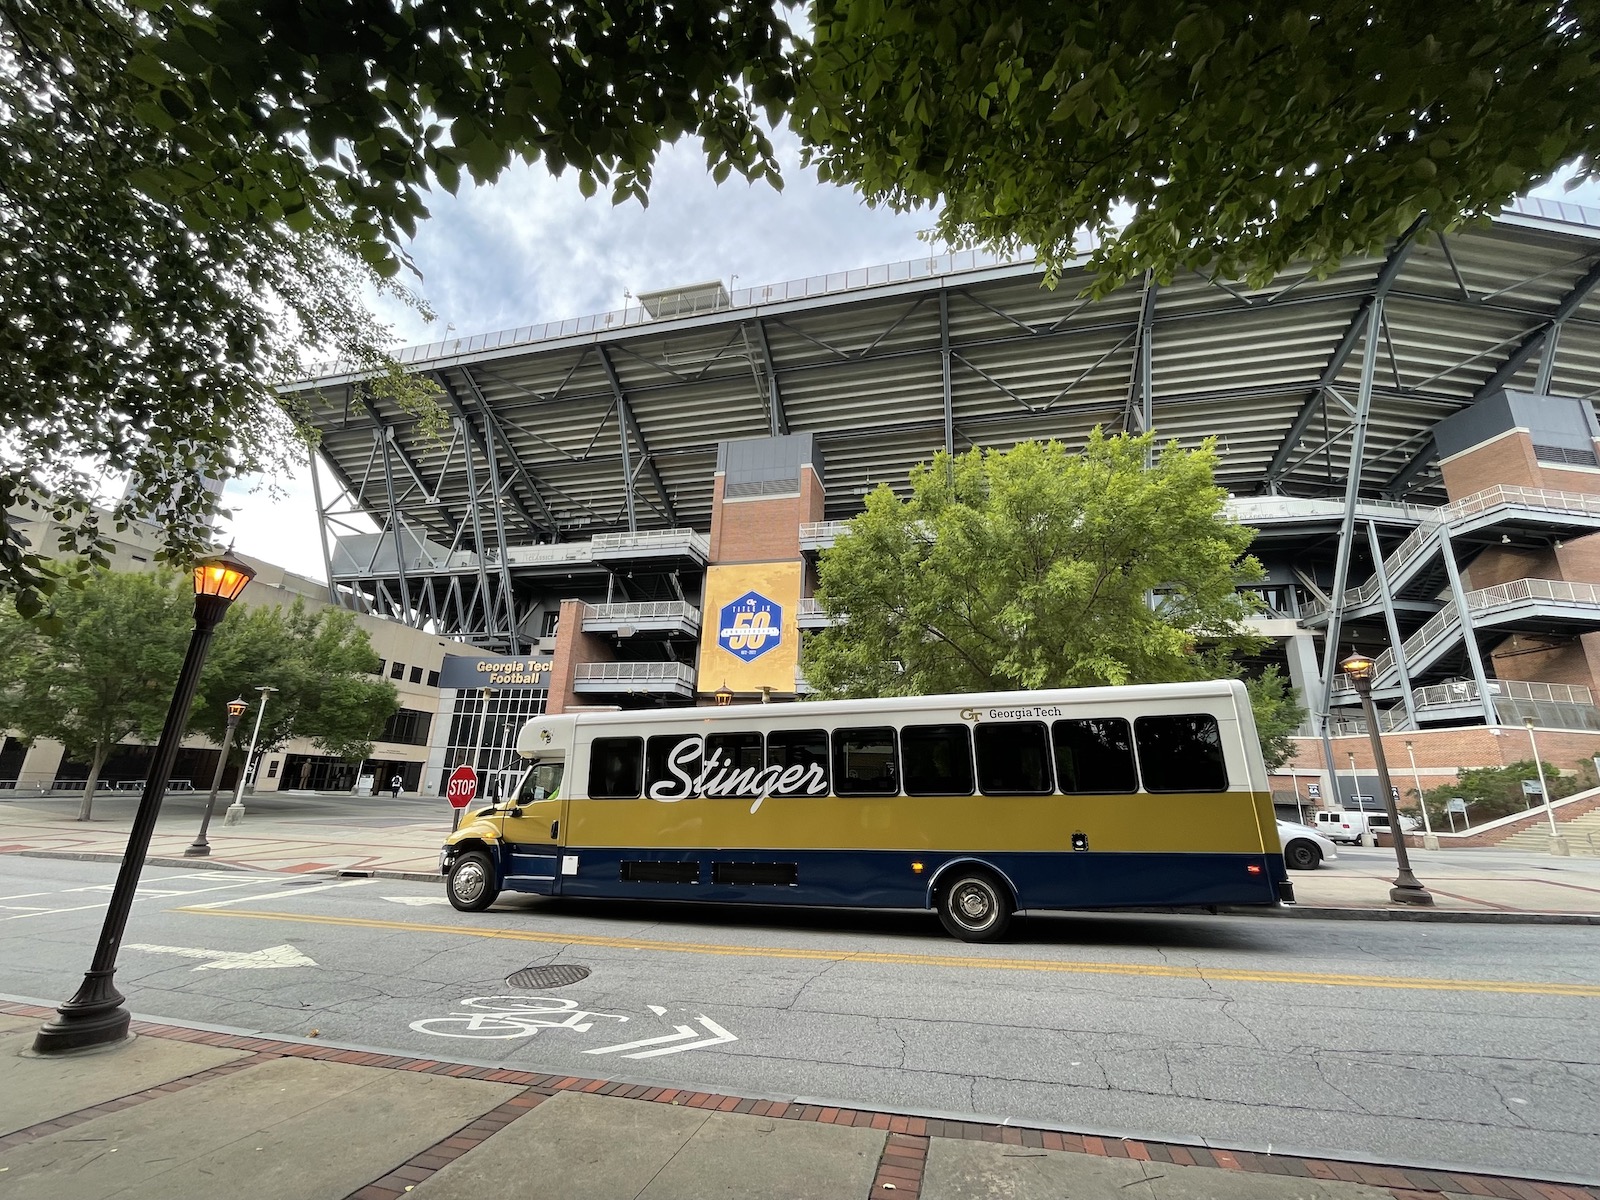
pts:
[1347, 825]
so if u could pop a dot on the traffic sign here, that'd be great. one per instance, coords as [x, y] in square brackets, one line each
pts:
[463, 786]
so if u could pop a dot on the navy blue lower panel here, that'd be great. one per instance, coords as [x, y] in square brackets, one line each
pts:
[885, 879]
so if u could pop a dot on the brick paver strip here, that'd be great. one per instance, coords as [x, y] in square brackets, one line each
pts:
[902, 1162]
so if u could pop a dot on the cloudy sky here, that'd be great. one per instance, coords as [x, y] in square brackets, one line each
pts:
[531, 249]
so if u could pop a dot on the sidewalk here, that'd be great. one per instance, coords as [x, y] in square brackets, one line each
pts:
[179, 1112]
[1472, 885]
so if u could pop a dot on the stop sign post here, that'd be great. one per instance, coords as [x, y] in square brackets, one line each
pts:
[461, 788]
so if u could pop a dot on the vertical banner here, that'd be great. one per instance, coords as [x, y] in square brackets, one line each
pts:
[748, 636]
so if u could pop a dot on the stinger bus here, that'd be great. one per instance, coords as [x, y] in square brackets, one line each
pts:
[975, 806]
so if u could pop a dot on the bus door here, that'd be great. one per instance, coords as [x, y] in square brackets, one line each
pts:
[533, 832]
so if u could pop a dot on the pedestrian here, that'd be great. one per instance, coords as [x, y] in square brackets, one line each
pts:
[394, 786]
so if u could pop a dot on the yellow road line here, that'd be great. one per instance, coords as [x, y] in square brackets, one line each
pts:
[1503, 986]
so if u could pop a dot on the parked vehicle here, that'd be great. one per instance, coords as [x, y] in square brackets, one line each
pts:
[1304, 849]
[1347, 825]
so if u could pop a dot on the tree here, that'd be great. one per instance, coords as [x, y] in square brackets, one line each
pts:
[193, 196]
[323, 666]
[1033, 568]
[106, 674]
[1242, 136]
[1278, 713]
[1493, 792]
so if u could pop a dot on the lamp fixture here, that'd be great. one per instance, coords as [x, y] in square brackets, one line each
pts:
[723, 695]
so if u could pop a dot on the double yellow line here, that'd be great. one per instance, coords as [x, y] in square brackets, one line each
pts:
[976, 961]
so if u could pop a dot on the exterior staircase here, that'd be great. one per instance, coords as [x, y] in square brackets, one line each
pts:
[1582, 833]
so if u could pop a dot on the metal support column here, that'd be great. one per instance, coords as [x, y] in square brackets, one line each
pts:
[777, 419]
[1474, 655]
[1147, 402]
[1396, 646]
[322, 524]
[944, 377]
[1547, 359]
[507, 596]
[1352, 493]
[622, 439]
[394, 526]
[485, 593]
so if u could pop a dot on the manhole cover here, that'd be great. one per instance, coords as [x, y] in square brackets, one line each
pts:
[299, 882]
[554, 976]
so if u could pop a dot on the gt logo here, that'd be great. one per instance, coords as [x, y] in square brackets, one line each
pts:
[750, 630]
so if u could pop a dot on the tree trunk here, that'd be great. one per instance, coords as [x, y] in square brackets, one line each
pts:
[98, 761]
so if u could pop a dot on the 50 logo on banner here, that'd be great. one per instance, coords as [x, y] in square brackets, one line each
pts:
[750, 626]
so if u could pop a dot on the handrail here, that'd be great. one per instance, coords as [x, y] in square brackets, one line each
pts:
[650, 538]
[641, 610]
[634, 672]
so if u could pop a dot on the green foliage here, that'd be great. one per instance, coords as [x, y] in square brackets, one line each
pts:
[1032, 568]
[107, 673]
[1243, 136]
[323, 666]
[164, 264]
[1278, 714]
[1492, 792]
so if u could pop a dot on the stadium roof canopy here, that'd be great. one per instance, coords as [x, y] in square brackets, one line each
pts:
[610, 423]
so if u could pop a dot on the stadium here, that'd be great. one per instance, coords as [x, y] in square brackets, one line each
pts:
[620, 499]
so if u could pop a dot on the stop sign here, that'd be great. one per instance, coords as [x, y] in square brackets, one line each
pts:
[463, 786]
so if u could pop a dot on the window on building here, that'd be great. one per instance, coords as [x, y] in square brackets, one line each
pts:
[615, 767]
[408, 726]
[272, 769]
[1181, 753]
[548, 622]
[1094, 756]
[378, 670]
[397, 670]
[1013, 758]
[433, 679]
[416, 674]
[864, 762]
[938, 760]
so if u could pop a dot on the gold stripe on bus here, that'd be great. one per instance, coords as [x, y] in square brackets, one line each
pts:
[968, 962]
[1205, 822]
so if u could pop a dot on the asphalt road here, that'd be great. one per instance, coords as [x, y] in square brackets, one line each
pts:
[1467, 1045]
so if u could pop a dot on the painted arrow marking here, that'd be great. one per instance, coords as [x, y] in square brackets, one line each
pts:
[229, 960]
[719, 1035]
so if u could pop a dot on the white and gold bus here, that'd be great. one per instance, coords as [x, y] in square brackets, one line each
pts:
[975, 806]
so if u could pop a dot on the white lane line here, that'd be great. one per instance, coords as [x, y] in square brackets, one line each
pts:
[287, 894]
[143, 893]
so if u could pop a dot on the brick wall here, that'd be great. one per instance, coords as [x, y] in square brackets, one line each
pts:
[1462, 746]
[1507, 460]
[574, 648]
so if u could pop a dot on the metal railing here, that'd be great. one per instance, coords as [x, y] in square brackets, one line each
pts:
[1246, 509]
[814, 532]
[1451, 695]
[644, 612]
[654, 539]
[634, 672]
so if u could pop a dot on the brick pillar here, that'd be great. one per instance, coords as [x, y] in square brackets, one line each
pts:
[574, 648]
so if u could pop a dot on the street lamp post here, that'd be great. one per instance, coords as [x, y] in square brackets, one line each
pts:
[95, 1016]
[1558, 844]
[1368, 839]
[235, 812]
[723, 695]
[1406, 889]
[1430, 840]
[200, 848]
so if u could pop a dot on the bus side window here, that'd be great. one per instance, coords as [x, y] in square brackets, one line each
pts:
[667, 759]
[616, 765]
[1013, 758]
[803, 754]
[938, 760]
[1094, 756]
[1181, 753]
[864, 762]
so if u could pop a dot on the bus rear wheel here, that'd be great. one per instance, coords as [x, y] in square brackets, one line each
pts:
[975, 906]
[471, 886]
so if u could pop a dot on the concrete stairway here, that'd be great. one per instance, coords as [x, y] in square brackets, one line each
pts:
[1582, 834]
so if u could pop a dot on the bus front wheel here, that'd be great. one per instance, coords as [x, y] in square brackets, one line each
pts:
[471, 885]
[975, 907]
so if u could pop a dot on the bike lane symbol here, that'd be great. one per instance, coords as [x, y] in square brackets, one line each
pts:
[513, 1017]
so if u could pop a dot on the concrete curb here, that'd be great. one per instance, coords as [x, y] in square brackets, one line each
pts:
[207, 864]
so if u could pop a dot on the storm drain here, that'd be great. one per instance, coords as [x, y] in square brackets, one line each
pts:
[554, 976]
